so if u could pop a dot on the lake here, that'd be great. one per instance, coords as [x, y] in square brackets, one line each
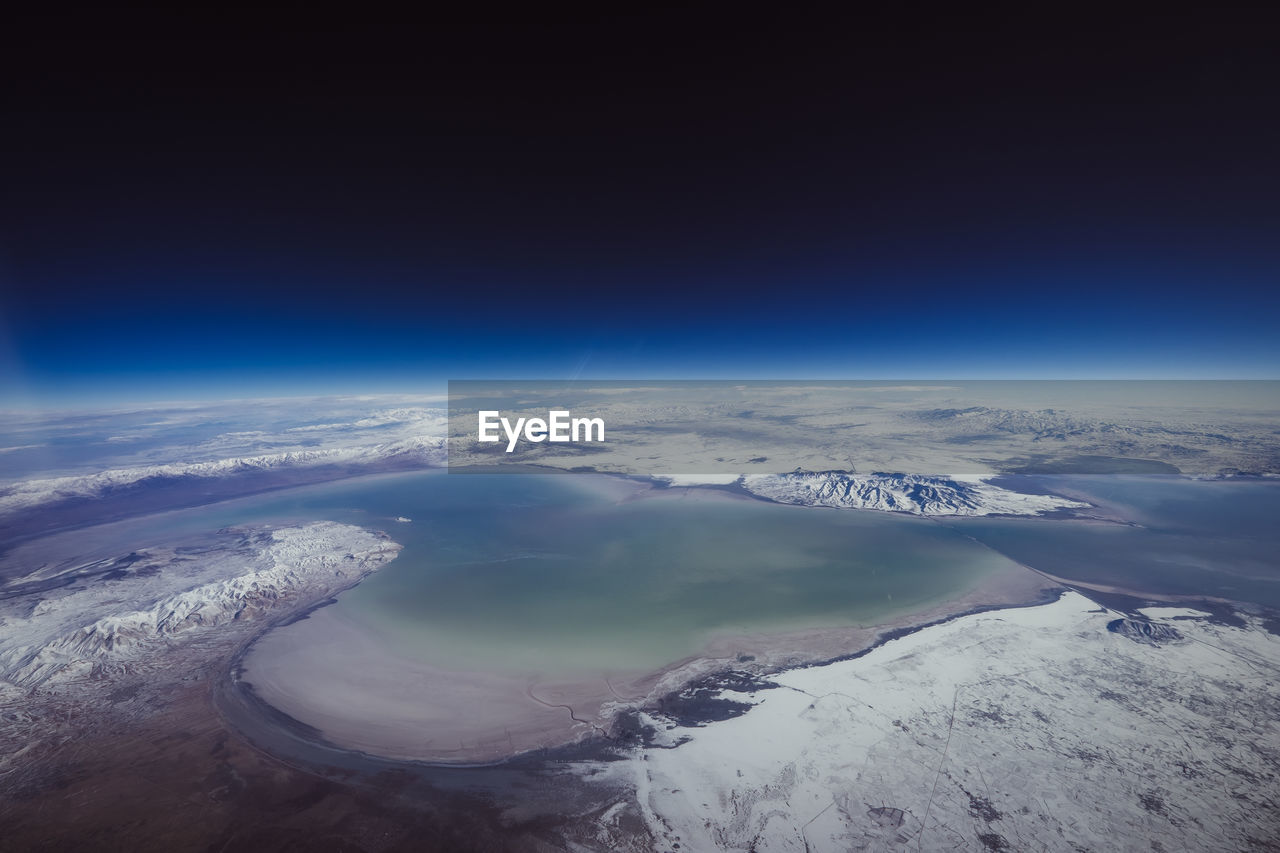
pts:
[1195, 538]
[563, 572]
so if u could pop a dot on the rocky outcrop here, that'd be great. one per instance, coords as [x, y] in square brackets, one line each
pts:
[1142, 631]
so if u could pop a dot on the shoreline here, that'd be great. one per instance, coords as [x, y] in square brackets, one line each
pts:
[1054, 707]
[552, 713]
[485, 719]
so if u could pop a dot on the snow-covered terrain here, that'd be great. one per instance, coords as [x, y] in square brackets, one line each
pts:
[71, 458]
[28, 493]
[129, 614]
[676, 429]
[64, 461]
[912, 493]
[1021, 729]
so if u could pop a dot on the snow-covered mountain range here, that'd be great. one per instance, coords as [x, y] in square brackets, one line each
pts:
[412, 452]
[129, 613]
[911, 493]
[58, 464]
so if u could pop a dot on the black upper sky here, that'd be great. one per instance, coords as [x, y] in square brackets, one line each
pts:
[268, 181]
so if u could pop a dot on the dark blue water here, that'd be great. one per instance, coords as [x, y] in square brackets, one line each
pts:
[1195, 538]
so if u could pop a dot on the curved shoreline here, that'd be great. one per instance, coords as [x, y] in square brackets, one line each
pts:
[594, 711]
[595, 707]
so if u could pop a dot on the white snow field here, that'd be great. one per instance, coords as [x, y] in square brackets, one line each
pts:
[1021, 729]
[143, 609]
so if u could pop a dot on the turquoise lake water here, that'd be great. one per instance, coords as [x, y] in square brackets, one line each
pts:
[573, 572]
[569, 572]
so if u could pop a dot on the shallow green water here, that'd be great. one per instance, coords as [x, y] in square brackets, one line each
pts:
[564, 572]
[560, 573]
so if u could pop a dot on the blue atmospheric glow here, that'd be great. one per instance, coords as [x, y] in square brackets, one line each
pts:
[924, 206]
[194, 336]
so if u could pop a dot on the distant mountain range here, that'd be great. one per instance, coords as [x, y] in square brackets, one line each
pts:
[416, 451]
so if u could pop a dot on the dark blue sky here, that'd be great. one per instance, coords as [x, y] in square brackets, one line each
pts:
[198, 206]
